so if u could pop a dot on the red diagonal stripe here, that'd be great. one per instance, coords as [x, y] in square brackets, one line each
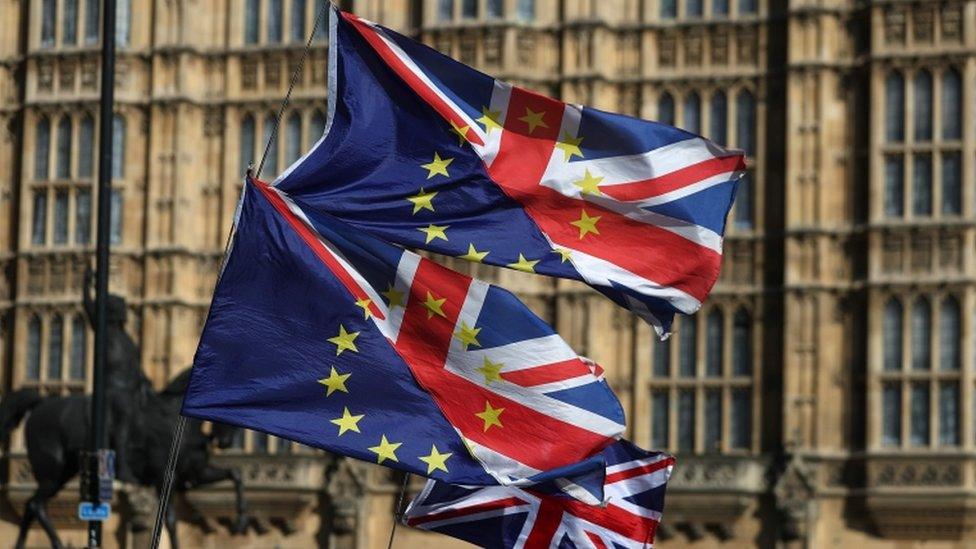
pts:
[548, 373]
[470, 510]
[546, 523]
[638, 471]
[689, 175]
[596, 541]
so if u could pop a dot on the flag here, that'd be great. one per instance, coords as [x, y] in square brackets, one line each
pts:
[511, 517]
[426, 152]
[324, 335]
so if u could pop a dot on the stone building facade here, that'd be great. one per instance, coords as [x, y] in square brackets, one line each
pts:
[825, 394]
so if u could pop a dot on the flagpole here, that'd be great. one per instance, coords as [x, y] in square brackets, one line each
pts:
[106, 115]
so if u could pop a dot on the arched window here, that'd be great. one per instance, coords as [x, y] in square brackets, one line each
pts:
[665, 109]
[894, 182]
[86, 144]
[922, 185]
[747, 6]
[69, 30]
[48, 18]
[270, 136]
[316, 128]
[669, 9]
[951, 105]
[714, 338]
[55, 339]
[252, 14]
[61, 216]
[123, 19]
[894, 107]
[274, 21]
[693, 8]
[33, 371]
[445, 10]
[525, 9]
[745, 122]
[92, 18]
[692, 113]
[298, 21]
[951, 183]
[83, 216]
[719, 118]
[891, 335]
[923, 106]
[743, 203]
[742, 344]
[247, 141]
[62, 165]
[118, 147]
[950, 335]
[688, 344]
[293, 138]
[42, 149]
[79, 347]
[921, 334]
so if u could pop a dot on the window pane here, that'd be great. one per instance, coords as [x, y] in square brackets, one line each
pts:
[923, 106]
[713, 420]
[293, 139]
[687, 341]
[79, 336]
[660, 408]
[445, 10]
[298, 20]
[740, 419]
[118, 147]
[692, 113]
[33, 349]
[86, 144]
[686, 420]
[894, 174]
[949, 414]
[116, 229]
[260, 442]
[742, 344]
[921, 335]
[247, 142]
[715, 335]
[48, 15]
[951, 183]
[42, 149]
[54, 341]
[920, 414]
[949, 335]
[469, 9]
[122, 18]
[69, 31]
[747, 6]
[891, 415]
[63, 165]
[720, 7]
[743, 202]
[526, 10]
[61, 216]
[894, 107]
[669, 9]
[274, 21]
[251, 9]
[39, 221]
[322, 29]
[693, 8]
[745, 122]
[82, 216]
[316, 128]
[665, 109]
[92, 19]
[951, 105]
[922, 185]
[719, 118]
[271, 163]
[494, 8]
[662, 358]
[892, 334]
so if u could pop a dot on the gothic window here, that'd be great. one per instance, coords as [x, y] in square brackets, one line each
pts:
[275, 21]
[892, 335]
[247, 141]
[115, 231]
[662, 358]
[660, 411]
[469, 9]
[714, 339]
[686, 420]
[39, 220]
[891, 414]
[687, 346]
[293, 138]
[42, 148]
[55, 339]
[82, 216]
[316, 128]
[894, 184]
[748, 6]
[919, 414]
[79, 347]
[949, 335]
[740, 420]
[494, 8]
[118, 147]
[742, 344]
[322, 29]
[92, 18]
[894, 112]
[48, 18]
[33, 349]
[665, 109]
[713, 420]
[923, 106]
[61, 216]
[86, 144]
[949, 414]
[693, 8]
[743, 203]
[69, 30]
[123, 18]
[951, 183]
[252, 10]
[921, 334]
[63, 161]
[298, 21]
[445, 10]
[719, 118]
[691, 111]
[951, 105]
[745, 122]
[922, 185]
[669, 9]
[271, 162]
[526, 10]
[720, 7]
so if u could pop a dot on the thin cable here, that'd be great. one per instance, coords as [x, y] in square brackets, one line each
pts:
[397, 513]
[174, 452]
[291, 86]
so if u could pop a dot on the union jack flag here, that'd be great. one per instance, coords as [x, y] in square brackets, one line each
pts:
[418, 142]
[509, 517]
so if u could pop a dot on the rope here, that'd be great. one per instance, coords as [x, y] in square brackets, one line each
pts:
[291, 87]
[398, 512]
[174, 452]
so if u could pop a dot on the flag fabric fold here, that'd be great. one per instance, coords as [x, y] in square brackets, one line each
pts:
[426, 152]
[322, 334]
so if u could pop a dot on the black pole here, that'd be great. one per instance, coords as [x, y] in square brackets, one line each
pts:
[106, 115]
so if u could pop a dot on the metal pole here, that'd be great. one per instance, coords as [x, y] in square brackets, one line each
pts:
[106, 115]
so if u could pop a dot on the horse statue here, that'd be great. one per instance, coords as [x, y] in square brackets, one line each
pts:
[57, 432]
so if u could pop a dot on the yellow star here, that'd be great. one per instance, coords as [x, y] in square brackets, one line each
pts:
[433, 306]
[437, 166]
[523, 264]
[589, 183]
[570, 146]
[491, 371]
[491, 416]
[335, 382]
[489, 119]
[434, 231]
[436, 460]
[393, 297]
[365, 303]
[345, 341]
[422, 200]
[460, 131]
[473, 254]
[468, 335]
[564, 254]
[586, 224]
[347, 422]
[534, 119]
[385, 450]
